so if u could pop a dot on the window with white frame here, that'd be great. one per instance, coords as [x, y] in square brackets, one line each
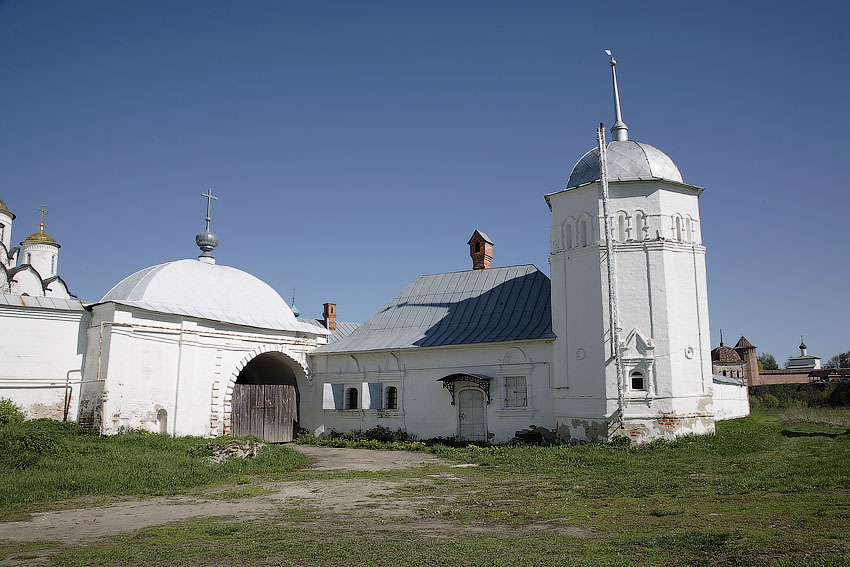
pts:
[638, 380]
[516, 392]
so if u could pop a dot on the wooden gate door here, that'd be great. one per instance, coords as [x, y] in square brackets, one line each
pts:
[280, 414]
[470, 413]
[265, 411]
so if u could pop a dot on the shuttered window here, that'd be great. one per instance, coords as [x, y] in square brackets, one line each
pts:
[516, 392]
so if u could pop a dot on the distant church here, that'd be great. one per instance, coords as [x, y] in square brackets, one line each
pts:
[616, 343]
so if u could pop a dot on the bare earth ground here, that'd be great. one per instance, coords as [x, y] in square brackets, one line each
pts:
[342, 498]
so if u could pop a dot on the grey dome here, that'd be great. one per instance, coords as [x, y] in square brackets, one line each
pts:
[627, 161]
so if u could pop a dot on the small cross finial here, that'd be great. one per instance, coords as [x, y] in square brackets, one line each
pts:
[209, 197]
[43, 210]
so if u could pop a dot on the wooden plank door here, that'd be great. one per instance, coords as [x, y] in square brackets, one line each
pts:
[281, 414]
[471, 422]
[245, 417]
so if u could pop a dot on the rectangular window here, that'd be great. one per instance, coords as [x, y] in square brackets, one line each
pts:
[516, 393]
[638, 382]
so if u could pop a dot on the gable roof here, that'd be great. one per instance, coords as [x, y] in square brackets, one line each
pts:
[459, 308]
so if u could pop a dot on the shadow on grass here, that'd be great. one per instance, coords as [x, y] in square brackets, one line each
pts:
[787, 433]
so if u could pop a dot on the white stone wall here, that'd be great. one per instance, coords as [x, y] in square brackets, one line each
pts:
[731, 400]
[41, 256]
[425, 406]
[42, 355]
[186, 367]
[663, 313]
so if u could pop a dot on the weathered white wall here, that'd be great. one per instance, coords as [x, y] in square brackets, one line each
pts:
[41, 350]
[730, 400]
[187, 367]
[425, 407]
[663, 313]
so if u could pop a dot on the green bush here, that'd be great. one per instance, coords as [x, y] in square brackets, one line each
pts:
[9, 412]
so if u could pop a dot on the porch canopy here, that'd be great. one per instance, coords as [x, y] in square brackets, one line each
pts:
[479, 380]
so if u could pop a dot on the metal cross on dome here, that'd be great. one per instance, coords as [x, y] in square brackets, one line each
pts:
[43, 210]
[209, 197]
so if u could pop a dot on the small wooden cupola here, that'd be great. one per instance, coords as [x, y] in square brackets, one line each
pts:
[481, 250]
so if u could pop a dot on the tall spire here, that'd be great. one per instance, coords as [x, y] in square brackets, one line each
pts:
[619, 130]
[206, 240]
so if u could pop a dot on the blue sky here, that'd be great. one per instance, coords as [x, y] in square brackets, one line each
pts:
[357, 145]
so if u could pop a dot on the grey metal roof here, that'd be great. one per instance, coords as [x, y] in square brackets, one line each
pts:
[475, 306]
[718, 379]
[627, 161]
[343, 328]
[41, 302]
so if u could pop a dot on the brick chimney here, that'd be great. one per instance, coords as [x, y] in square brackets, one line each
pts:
[330, 316]
[481, 250]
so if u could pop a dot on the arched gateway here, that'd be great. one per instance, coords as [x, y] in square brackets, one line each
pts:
[266, 399]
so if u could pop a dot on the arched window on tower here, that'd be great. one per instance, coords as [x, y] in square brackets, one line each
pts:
[688, 230]
[621, 228]
[582, 229]
[640, 223]
[638, 381]
[568, 236]
[678, 228]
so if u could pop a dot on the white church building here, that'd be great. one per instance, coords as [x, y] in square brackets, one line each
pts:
[615, 344]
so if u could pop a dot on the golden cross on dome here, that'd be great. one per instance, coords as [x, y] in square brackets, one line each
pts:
[43, 210]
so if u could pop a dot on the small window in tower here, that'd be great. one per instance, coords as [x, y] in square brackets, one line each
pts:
[582, 227]
[2, 231]
[29, 258]
[478, 247]
[53, 265]
[568, 237]
[621, 228]
[688, 230]
[351, 399]
[638, 380]
[678, 228]
[392, 398]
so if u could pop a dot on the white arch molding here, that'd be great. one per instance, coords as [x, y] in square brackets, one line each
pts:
[299, 367]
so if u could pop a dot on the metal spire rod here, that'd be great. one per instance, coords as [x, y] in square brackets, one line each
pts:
[619, 130]
[614, 316]
[209, 196]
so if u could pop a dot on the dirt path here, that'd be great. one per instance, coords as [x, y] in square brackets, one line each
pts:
[334, 496]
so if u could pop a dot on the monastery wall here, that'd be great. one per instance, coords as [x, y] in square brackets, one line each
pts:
[42, 342]
[424, 406]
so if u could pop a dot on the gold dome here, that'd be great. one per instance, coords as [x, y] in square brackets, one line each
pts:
[5, 209]
[40, 236]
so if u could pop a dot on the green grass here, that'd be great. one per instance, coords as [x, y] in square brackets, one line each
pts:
[763, 491]
[49, 462]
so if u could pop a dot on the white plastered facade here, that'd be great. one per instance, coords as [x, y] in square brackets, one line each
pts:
[425, 407]
[663, 313]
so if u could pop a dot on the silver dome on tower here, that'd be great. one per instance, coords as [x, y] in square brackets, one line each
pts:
[627, 160]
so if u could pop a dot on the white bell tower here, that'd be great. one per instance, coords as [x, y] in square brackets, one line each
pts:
[658, 383]
[41, 251]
